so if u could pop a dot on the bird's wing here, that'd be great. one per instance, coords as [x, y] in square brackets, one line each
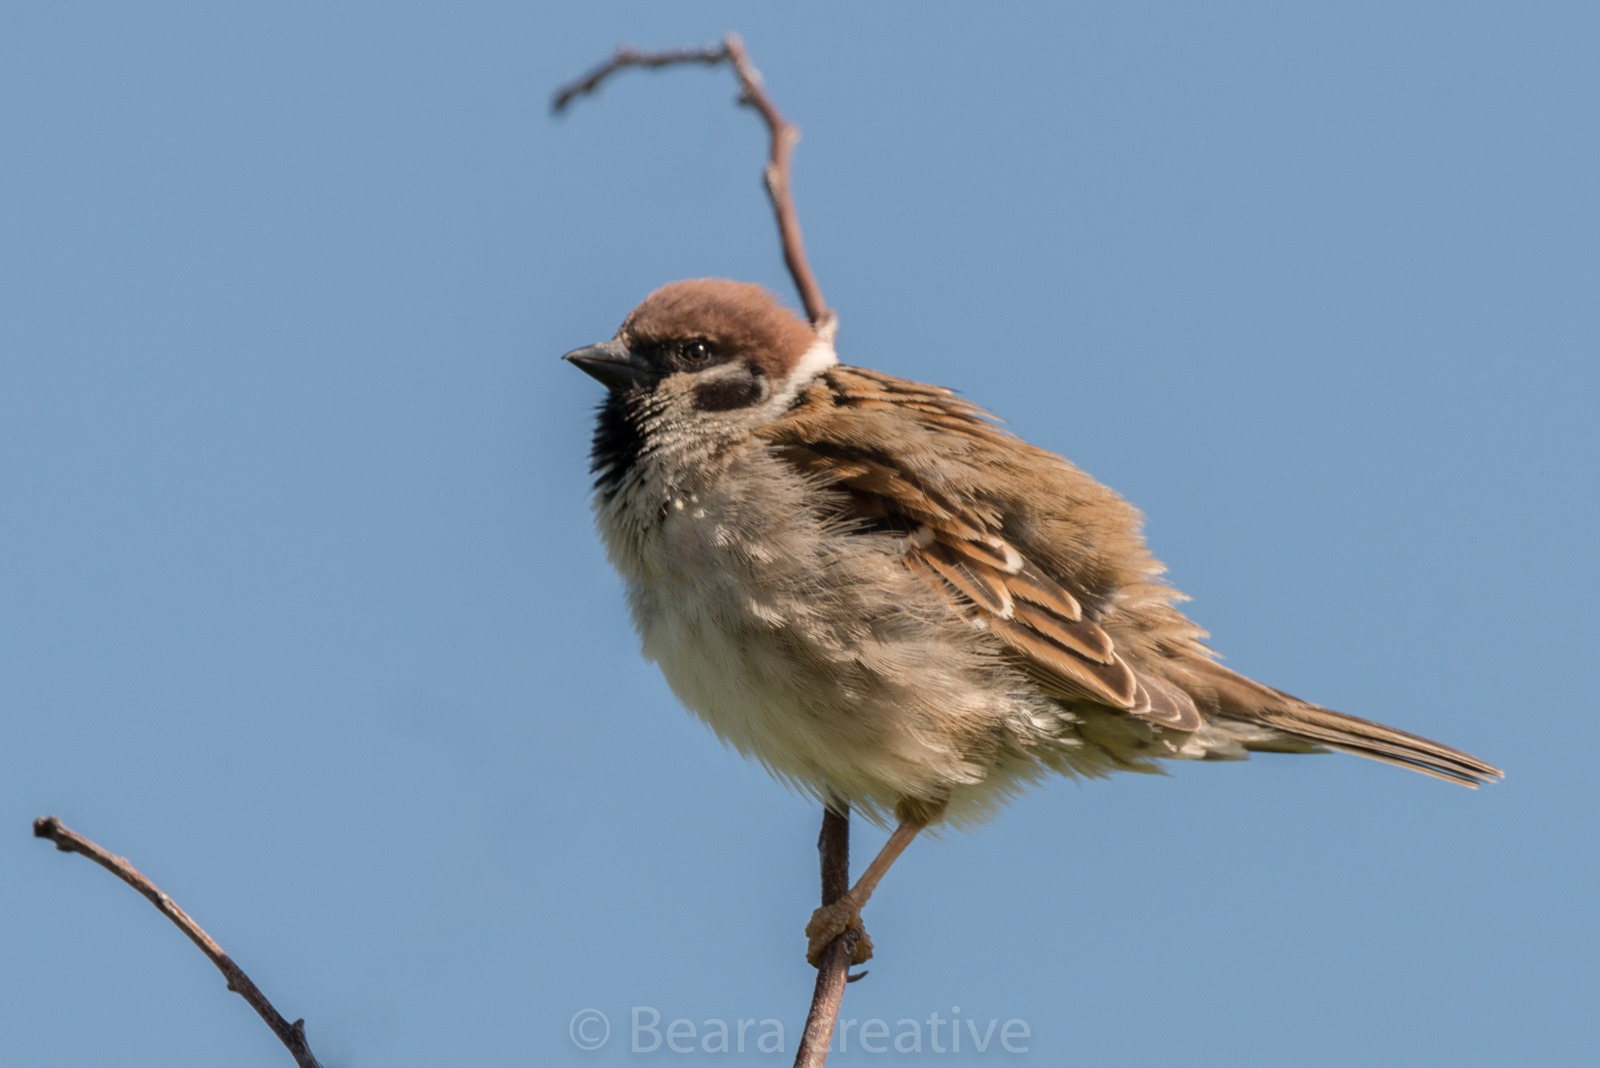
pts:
[923, 477]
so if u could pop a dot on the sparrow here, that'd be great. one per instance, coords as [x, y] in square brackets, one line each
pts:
[868, 586]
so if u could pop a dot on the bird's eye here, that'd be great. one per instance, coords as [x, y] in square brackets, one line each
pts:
[697, 351]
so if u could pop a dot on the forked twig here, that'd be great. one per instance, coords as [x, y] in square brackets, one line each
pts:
[834, 842]
[292, 1035]
[780, 157]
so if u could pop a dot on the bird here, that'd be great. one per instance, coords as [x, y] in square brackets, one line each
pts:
[870, 587]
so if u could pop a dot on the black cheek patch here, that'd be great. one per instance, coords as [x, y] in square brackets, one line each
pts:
[727, 393]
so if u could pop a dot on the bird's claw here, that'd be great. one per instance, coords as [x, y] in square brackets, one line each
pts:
[831, 921]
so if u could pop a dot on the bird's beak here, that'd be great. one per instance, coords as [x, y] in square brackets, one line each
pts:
[612, 364]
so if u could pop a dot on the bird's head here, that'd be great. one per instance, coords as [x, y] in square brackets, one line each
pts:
[708, 346]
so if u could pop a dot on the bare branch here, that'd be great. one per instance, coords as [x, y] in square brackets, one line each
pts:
[780, 166]
[833, 970]
[625, 57]
[292, 1035]
[780, 158]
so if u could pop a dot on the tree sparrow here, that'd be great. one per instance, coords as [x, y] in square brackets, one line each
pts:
[865, 584]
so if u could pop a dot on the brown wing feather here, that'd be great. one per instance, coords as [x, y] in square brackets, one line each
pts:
[1031, 586]
[981, 585]
[1170, 706]
[1083, 638]
[1064, 672]
[954, 543]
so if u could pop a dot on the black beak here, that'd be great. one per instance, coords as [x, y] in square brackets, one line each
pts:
[612, 364]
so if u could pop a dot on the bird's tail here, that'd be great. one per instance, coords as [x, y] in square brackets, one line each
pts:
[1240, 698]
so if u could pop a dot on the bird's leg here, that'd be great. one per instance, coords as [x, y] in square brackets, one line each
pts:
[830, 921]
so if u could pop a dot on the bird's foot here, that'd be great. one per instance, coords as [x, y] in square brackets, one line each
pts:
[831, 921]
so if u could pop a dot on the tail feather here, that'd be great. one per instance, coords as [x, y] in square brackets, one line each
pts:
[1244, 699]
[1378, 742]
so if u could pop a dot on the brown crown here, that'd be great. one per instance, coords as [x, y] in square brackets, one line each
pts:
[743, 319]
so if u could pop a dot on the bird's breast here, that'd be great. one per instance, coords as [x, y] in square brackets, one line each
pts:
[813, 651]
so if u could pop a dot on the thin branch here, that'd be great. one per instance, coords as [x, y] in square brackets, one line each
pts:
[780, 166]
[833, 970]
[625, 57]
[292, 1035]
[780, 158]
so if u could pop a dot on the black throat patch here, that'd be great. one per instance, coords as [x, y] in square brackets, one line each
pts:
[618, 442]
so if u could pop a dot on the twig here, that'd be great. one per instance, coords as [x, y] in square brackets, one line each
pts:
[292, 1035]
[833, 970]
[628, 57]
[780, 158]
[834, 842]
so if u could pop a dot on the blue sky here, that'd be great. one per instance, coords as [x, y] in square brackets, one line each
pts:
[303, 610]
